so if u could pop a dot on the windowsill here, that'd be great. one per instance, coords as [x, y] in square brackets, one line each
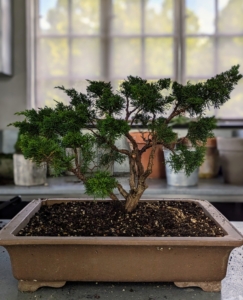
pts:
[214, 190]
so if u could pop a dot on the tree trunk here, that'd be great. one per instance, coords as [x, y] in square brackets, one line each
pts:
[133, 197]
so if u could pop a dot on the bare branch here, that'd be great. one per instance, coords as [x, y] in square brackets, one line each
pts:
[122, 191]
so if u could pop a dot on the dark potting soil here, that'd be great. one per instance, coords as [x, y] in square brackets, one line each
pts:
[150, 219]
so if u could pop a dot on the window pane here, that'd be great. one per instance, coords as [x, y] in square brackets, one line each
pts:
[47, 93]
[211, 111]
[159, 57]
[53, 17]
[86, 57]
[86, 16]
[233, 109]
[199, 57]
[200, 15]
[80, 85]
[230, 53]
[126, 57]
[126, 17]
[53, 57]
[230, 16]
[159, 16]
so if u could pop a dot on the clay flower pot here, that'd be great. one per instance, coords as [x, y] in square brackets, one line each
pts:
[159, 161]
[210, 166]
[231, 159]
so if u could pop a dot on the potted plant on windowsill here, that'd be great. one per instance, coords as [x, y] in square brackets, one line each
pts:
[27, 172]
[166, 241]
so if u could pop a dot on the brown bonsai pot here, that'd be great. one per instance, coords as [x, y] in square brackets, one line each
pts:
[210, 166]
[51, 261]
[231, 158]
[158, 162]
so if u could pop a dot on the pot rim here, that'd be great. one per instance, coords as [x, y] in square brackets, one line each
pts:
[8, 238]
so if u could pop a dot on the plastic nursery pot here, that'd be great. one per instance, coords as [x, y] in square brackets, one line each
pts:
[210, 166]
[159, 161]
[231, 159]
[180, 178]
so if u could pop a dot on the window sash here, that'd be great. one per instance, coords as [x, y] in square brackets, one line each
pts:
[106, 37]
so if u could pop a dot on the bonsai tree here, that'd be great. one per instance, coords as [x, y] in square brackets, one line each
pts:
[102, 116]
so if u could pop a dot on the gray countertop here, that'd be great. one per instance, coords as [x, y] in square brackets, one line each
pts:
[68, 186]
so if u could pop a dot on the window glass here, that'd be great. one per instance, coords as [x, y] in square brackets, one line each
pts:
[47, 92]
[126, 57]
[53, 17]
[53, 57]
[85, 16]
[200, 16]
[85, 60]
[230, 16]
[159, 57]
[126, 17]
[199, 56]
[159, 16]
[87, 39]
[230, 53]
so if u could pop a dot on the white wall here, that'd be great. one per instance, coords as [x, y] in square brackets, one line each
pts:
[13, 88]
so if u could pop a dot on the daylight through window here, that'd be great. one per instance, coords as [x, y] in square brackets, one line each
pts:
[110, 39]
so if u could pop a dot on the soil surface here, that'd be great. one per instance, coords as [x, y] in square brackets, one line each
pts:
[150, 219]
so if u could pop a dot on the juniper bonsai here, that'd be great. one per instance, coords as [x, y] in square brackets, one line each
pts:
[102, 116]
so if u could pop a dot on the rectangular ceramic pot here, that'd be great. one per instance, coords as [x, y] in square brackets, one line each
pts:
[51, 261]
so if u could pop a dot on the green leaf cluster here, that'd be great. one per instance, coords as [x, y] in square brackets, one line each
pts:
[93, 122]
[100, 185]
[187, 159]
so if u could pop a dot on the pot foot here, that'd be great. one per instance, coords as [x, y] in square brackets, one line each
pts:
[206, 286]
[32, 286]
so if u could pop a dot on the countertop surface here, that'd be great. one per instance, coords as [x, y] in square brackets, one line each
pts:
[68, 186]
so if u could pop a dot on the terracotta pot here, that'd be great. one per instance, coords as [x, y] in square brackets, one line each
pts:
[159, 161]
[51, 261]
[231, 159]
[210, 166]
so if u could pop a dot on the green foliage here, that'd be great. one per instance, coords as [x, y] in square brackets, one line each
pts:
[17, 145]
[187, 159]
[90, 125]
[180, 120]
[112, 128]
[200, 130]
[101, 184]
[196, 98]
[163, 132]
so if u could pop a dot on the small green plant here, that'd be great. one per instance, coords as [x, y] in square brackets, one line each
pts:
[102, 116]
[17, 146]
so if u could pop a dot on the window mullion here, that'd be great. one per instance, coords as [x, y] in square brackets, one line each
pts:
[70, 41]
[216, 46]
[176, 60]
[182, 41]
[216, 39]
[143, 71]
[35, 52]
[106, 43]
